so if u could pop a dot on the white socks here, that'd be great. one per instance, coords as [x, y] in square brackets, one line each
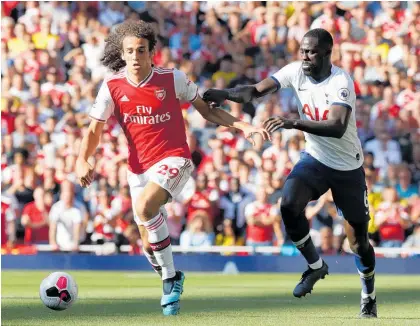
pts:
[160, 243]
[371, 295]
[317, 264]
[152, 260]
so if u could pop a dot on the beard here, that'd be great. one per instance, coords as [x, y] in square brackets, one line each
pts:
[312, 70]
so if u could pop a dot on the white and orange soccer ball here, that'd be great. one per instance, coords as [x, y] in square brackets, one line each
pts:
[58, 291]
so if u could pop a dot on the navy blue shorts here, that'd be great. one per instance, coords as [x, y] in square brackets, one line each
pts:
[348, 187]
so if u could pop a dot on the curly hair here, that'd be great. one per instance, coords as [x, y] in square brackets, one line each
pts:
[114, 43]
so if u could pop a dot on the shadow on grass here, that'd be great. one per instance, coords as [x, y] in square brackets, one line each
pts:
[249, 306]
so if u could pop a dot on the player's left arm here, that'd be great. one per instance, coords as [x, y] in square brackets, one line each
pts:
[187, 90]
[341, 95]
[335, 126]
[221, 117]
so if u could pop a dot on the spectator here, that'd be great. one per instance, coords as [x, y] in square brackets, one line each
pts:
[66, 221]
[204, 199]
[225, 71]
[199, 231]
[227, 236]
[327, 244]
[104, 216]
[8, 220]
[413, 241]
[44, 38]
[233, 205]
[263, 222]
[392, 219]
[405, 188]
[415, 166]
[175, 213]
[20, 42]
[384, 149]
[35, 217]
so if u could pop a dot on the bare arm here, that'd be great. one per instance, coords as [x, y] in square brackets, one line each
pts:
[221, 117]
[278, 232]
[76, 235]
[90, 142]
[335, 126]
[53, 234]
[312, 211]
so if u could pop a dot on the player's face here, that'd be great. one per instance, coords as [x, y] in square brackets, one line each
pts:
[314, 58]
[136, 54]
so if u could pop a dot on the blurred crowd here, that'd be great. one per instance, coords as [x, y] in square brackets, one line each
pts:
[51, 73]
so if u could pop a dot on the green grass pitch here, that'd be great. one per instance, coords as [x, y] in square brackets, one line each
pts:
[129, 298]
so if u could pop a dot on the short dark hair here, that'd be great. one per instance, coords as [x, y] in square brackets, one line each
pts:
[323, 36]
[114, 48]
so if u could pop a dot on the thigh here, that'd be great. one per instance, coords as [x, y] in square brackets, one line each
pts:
[136, 182]
[349, 192]
[308, 180]
[172, 173]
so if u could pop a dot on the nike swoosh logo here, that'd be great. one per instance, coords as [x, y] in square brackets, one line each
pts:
[301, 89]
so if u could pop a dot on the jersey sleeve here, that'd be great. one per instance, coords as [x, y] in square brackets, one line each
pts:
[284, 77]
[185, 89]
[341, 91]
[104, 104]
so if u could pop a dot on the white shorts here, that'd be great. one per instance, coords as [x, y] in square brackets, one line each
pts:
[171, 173]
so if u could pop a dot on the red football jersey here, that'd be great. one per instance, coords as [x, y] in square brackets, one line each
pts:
[35, 216]
[149, 113]
[260, 233]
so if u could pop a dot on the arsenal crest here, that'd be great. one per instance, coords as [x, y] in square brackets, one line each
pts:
[160, 94]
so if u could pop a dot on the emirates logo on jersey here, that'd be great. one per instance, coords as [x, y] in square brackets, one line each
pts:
[160, 94]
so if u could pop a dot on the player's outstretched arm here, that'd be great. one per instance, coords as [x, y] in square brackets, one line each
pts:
[335, 126]
[241, 93]
[218, 116]
[90, 142]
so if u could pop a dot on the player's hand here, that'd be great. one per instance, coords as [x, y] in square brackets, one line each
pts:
[54, 247]
[84, 173]
[215, 95]
[75, 248]
[274, 123]
[250, 131]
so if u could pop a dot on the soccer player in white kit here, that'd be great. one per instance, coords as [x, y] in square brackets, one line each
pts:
[145, 101]
[332, 160]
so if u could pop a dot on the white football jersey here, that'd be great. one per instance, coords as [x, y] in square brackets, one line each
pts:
[314, 103]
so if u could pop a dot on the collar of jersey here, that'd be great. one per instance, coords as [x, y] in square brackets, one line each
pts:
[143, 82]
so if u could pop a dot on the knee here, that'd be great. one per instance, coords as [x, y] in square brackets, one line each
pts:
[359, 247]
[145, 208]
[289, 208]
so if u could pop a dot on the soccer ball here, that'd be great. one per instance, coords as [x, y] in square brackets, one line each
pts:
[58, 291]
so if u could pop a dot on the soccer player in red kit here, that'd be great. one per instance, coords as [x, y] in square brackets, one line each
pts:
[146, 102]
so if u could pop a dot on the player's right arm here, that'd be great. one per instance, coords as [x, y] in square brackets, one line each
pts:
[241, 93]
[100, 112]
[90, 142]
[246, 93]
